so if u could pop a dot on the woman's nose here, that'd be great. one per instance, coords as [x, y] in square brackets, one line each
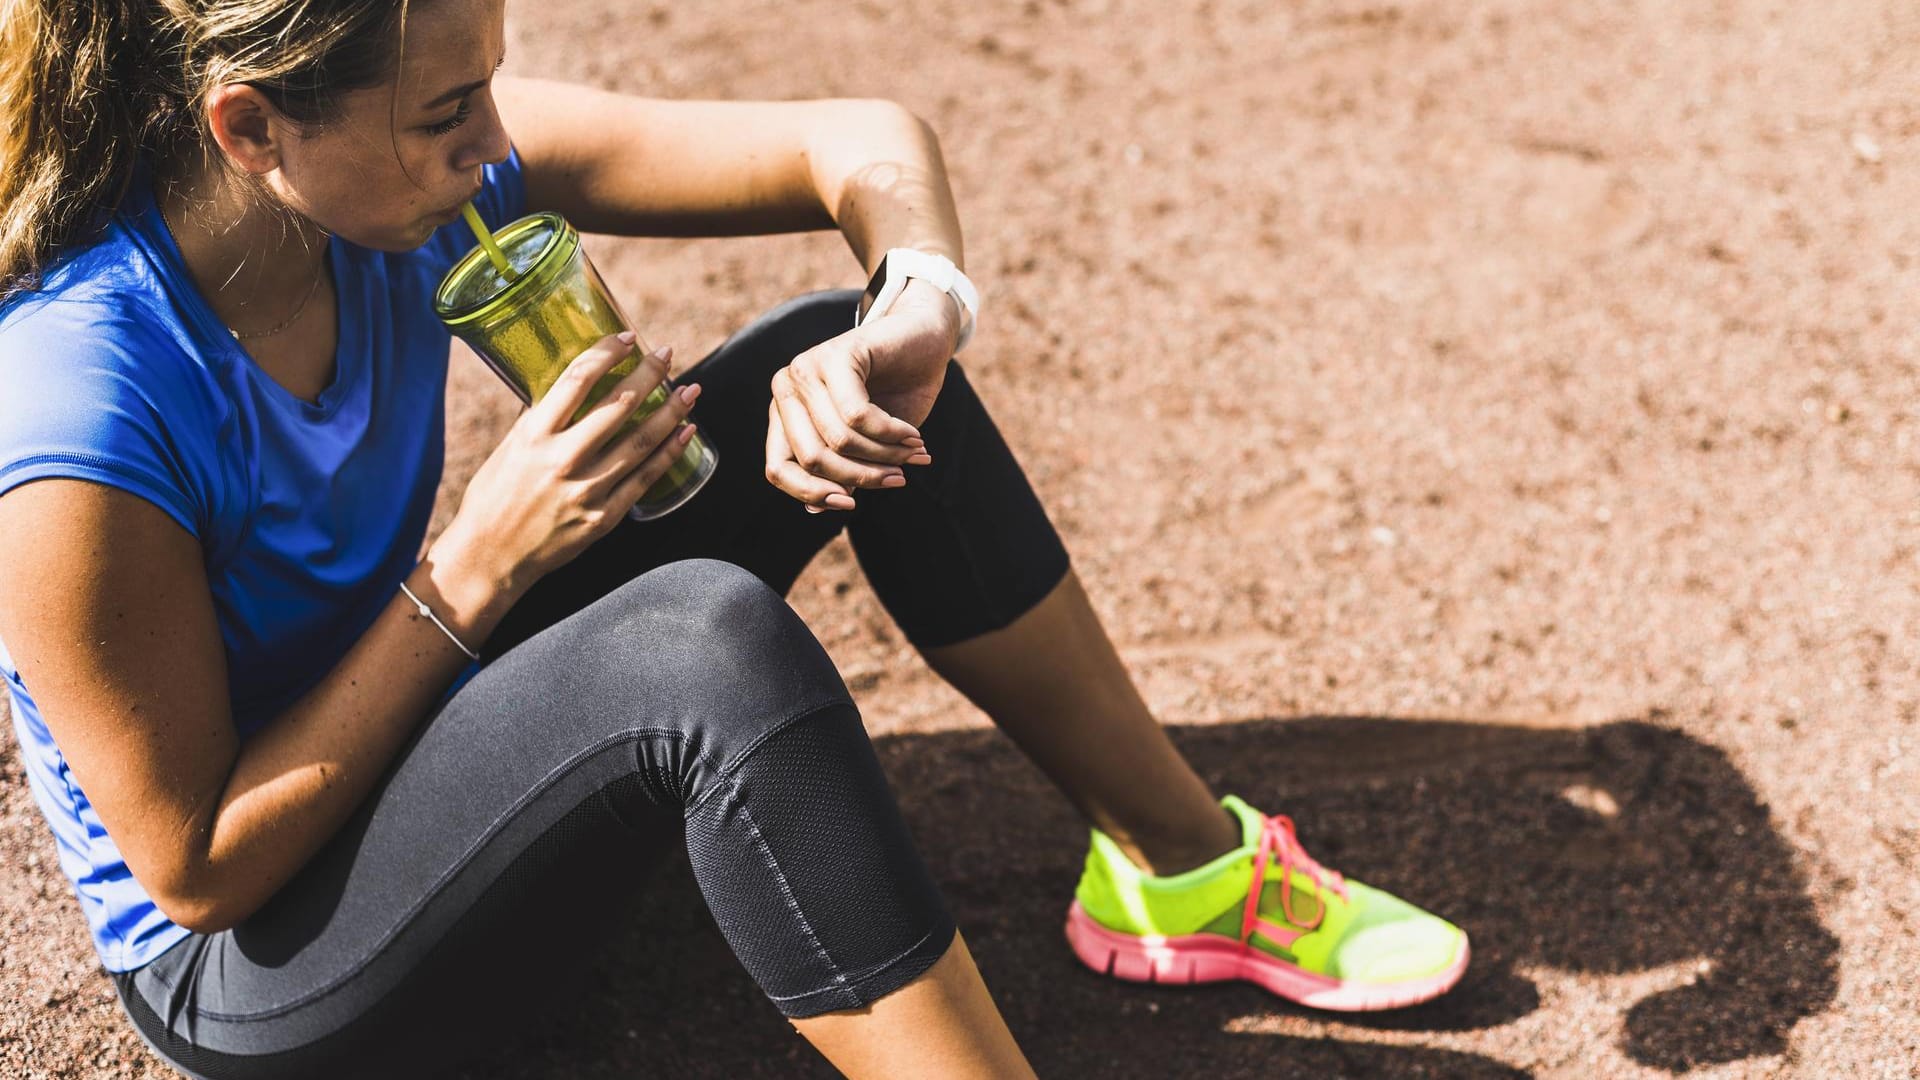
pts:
[489, 143]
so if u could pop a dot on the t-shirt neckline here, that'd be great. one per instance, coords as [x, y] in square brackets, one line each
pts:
[146, 215]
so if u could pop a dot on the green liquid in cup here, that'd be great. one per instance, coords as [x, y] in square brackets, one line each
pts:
[540, 346]
[530, 319]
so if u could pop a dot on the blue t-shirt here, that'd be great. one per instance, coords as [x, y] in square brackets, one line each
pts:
[309, 514]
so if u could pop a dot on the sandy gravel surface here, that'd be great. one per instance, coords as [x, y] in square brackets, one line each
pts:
[1489, 430]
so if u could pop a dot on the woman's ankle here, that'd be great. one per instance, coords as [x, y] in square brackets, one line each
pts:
[1179, 850]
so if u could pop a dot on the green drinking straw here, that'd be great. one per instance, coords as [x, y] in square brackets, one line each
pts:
[494, 254]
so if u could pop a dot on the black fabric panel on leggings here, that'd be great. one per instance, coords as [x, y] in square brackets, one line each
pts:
[521, 950]
[973, 515]
[858, 914]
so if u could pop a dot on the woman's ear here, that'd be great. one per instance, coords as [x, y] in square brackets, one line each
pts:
[247, 126]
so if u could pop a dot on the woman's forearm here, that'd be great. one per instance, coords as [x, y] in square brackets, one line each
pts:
[637, 166]
[885, 183]
[296, 780]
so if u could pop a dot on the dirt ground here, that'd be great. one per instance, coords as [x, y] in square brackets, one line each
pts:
[1489, 431]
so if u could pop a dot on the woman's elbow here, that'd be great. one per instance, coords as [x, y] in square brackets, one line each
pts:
[196, 904]
[199, 914]
[925, 126]
[881, 114]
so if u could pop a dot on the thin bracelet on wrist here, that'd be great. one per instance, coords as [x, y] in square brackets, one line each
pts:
[428, 612]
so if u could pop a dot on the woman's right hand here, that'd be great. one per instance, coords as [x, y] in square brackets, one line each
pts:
[550, 489]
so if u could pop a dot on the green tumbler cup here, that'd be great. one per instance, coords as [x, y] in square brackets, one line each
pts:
[528, 328]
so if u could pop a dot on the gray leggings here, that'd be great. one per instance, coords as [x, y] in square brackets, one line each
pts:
[655, 692]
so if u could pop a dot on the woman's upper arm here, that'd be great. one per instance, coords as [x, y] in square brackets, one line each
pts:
[105, 608]
[640, 166]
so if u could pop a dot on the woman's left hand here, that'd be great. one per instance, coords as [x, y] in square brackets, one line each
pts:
[844, 412]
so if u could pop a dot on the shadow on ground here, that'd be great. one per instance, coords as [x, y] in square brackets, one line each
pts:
[1605, 851]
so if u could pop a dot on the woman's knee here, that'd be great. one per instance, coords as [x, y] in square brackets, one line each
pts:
[700, 617]
[705, 642]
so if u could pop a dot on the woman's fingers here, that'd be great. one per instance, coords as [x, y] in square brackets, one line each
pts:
[640, 388]
[650, 470]
[785, 473]
[838, 423]
[845, 387]
[564, 398]
[810, 449]
[635, 444]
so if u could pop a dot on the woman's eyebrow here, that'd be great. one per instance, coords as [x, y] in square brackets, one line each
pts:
[459, 92]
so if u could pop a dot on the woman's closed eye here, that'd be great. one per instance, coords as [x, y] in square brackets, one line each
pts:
[459, 117]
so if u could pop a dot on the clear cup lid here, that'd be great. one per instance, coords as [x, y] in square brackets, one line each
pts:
[474, 282]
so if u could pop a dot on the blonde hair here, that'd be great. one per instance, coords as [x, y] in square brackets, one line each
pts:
[89, 86]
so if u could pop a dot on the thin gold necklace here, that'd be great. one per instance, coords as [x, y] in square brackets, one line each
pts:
[318, 271]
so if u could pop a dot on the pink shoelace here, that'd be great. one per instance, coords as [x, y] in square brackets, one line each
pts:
[1277, 839]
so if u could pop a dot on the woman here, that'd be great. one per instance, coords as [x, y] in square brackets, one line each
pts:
[331, 807]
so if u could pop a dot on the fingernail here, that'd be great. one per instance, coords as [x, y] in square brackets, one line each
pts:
[893, 480]
[664, 352]
[689, 392]
[920, 459]
[840, 502]
[813, 509]
[625, 336]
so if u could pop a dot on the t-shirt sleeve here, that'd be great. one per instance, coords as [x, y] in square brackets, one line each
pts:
[502, 199]
[84, 397]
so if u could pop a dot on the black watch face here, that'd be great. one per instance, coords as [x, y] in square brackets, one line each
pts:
[874, 285]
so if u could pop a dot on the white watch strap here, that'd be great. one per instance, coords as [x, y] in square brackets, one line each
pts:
[937, 270]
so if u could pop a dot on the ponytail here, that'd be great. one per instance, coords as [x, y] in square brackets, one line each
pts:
[66, 124]
[88, 87]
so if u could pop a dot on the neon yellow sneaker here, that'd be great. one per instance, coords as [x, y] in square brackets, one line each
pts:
[1354, 949]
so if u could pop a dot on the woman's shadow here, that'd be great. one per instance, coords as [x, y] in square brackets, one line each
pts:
[1603, 851]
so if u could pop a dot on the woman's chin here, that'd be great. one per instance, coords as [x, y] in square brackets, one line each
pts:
[403, 236]
[397, 241]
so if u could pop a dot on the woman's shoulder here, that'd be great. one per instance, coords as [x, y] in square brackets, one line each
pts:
[111, 287]
[95, 383]
[100, 296]
[90, 356]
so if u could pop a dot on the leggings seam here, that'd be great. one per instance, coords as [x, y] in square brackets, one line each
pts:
[786, 893]
[855, 978]
[740, 758]
[545, 784]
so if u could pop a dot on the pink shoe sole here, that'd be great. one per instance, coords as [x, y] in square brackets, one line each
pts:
[1206, 958]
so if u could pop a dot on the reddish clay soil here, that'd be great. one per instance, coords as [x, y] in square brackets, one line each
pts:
[1489, 432]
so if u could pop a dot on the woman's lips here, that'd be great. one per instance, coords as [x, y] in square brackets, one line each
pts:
[453, 213]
